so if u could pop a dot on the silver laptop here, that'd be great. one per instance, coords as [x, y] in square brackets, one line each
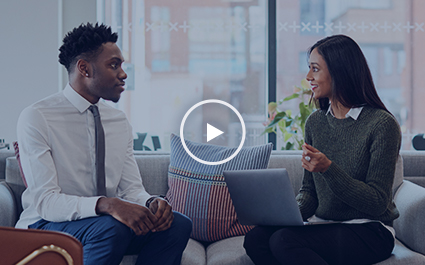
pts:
[263, 197]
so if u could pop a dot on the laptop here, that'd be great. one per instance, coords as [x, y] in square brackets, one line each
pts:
[263, 197]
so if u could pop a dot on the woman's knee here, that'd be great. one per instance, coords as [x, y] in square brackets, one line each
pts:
[250, 240]
[284, 241]
[258, 237]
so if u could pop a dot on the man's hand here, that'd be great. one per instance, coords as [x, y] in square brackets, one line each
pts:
[314, 160]
[163, 212]
[137, 217]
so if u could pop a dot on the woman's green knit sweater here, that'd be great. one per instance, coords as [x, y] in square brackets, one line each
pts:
[358, 183]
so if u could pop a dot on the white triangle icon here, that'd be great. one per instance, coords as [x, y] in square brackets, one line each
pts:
[212, 132]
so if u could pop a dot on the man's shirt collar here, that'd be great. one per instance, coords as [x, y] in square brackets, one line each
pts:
[76, 99]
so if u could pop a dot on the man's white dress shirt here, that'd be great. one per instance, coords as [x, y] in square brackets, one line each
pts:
[56, 139]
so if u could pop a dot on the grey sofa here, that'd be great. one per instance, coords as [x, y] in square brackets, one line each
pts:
[409, 198]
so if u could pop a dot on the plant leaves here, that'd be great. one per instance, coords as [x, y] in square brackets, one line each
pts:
[292, 125]
[289, 121]
[295, 95]
[300, 143]
[282, 125]
[268, 130]
[289, 146]
[304, 111]
[286, 136]
[277, 118]
[305, 84]
[272, 107]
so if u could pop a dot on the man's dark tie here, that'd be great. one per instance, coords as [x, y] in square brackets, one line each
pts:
[100, 152]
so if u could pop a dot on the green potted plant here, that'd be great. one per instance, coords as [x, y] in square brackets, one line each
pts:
[290, 125]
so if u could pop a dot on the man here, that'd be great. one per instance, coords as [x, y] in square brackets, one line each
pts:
[60, 141]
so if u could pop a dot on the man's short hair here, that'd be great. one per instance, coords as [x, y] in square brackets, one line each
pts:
[84, 42]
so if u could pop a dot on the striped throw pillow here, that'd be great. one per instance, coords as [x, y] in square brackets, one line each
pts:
[199, 190]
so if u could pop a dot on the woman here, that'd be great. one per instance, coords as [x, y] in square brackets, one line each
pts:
[351, 147]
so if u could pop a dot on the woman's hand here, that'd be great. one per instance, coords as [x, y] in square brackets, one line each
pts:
[313, 160]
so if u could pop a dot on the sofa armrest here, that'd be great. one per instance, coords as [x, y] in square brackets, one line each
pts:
[8, 209]
[410, 226]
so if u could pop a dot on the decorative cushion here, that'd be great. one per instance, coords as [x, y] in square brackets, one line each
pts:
[199, 191]
[18, 158]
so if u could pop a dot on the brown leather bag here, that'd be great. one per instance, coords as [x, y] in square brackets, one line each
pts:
[38, 247]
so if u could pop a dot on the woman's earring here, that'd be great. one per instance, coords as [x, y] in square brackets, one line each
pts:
[87, 74]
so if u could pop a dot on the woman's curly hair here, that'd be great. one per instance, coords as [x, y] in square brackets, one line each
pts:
[84, 42]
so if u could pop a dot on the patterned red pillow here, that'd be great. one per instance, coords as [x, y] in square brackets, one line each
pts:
[199, 190]
[16, 147]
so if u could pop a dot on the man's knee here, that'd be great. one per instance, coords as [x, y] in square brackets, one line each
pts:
[178, 234]
[182, 224]
[106, 241]
[109, 228]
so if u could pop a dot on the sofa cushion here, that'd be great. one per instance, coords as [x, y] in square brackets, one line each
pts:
[403, 255]
[413, 162]
[410, 201]
[292, 163]
[199, 191]
[4, 154]
[194, 254]
[8, 207]
[14, 181]
[418, 180]
[154, 172]
[129, 260]
[229, 251]
[398, 174]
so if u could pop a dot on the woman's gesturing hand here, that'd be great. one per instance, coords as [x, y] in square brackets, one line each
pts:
[313, 160]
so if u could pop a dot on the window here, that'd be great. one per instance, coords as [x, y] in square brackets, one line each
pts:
[184, 52]
[178, 54]
[388, 61]
[312, 11]
[388, 32]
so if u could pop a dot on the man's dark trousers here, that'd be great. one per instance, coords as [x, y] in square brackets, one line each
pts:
[105, 240]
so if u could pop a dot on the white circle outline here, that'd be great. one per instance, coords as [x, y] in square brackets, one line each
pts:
[240, 119]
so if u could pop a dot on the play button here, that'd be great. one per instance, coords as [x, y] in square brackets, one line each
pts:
[212, 132]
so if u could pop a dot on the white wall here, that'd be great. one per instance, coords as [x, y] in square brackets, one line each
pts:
[30, 35]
